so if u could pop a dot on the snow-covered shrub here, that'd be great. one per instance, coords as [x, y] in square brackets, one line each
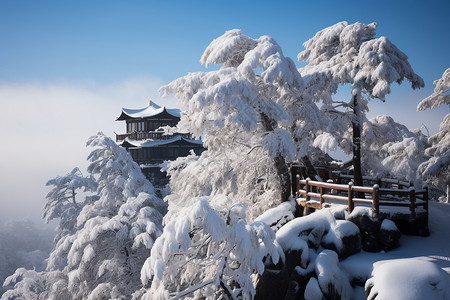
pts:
[208, 252]
[30, 284]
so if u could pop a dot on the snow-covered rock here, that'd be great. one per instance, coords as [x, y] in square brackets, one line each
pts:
[278, 216]
[305, 231]
[344, 238]
[407, 279]
[389, 235]
[333, 283]
[313, 291]
[362, 217]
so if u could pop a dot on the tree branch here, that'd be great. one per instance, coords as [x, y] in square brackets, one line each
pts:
[190, 290]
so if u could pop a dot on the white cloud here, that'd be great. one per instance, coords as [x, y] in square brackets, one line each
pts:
[44, 131]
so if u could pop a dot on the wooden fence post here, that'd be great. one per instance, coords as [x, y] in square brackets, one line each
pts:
[307, 190]
[376, 201]
[321, 196]
[412, 200]
[425, 198]
[297, 195]
[350, 197]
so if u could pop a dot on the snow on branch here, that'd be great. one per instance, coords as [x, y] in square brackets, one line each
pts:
[380, 63]
[441, 94]
[349, 53]
[326, 142]
[254, 100]
[208, 252]
[278, 142]
[436, 169]
[62, 202]
[229, 49]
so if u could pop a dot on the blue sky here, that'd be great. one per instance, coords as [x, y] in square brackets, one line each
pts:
[106, 41]
[67, 67]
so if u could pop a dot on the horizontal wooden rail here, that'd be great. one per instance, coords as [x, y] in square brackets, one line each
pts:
[381, 181]
[373, 196]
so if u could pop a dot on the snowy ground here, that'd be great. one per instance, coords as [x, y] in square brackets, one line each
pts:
[435, 248]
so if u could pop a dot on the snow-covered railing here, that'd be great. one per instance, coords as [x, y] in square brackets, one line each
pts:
[150, 135]
[339, 176]
[316, 193]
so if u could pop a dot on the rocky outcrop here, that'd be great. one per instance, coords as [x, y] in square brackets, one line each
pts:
[376, 234]
[306, 264]
[312, 247]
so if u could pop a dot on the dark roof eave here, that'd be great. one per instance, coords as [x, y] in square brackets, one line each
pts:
[123, 116]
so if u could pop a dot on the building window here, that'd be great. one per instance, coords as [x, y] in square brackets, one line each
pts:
[141, 126]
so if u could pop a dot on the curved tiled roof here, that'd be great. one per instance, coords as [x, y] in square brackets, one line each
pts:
[152, 109]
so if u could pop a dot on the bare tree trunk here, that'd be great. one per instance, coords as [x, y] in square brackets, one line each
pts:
[73, 196]
[280, 164]
[357, 173]
[285, 177]
[310, 170]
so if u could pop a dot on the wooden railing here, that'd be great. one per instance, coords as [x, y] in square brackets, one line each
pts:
[339, 177]
[372, 196]
[151, 135]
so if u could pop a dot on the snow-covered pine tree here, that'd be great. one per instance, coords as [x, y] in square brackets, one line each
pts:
[112, 237]
[115, 232]
[436, 170]
[62, 202]
[391, 149]
[248, 114]
[350, 54]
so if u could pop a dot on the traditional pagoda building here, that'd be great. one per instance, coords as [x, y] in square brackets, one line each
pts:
[148, 142]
